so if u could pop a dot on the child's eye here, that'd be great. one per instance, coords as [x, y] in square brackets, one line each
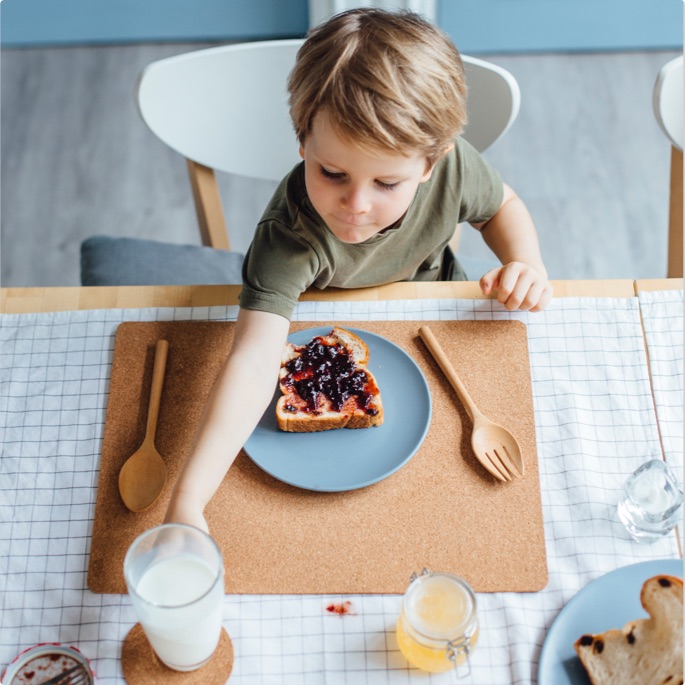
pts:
[387, 186]
[330, 174]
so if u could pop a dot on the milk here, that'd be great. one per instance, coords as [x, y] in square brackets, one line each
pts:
[181, 610]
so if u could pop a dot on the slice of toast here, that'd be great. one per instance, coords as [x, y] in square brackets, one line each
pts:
[326, 385]
[646, 651]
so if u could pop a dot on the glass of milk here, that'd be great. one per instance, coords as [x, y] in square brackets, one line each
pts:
[651, 502]
[175, 578]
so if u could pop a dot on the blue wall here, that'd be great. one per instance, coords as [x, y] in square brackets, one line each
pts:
[60, 22]
[475, 25]
[551, 25]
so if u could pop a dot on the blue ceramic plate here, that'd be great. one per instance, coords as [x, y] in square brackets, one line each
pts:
[607, 602]
[347, 459]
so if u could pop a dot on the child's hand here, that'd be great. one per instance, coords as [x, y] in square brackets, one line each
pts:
[183, 510]
[518, 286]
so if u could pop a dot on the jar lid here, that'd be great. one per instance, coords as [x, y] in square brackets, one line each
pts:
[44, 661]
[440, 606]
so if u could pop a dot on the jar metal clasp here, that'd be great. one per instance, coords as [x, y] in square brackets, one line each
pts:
[455, 650]
[415, 575]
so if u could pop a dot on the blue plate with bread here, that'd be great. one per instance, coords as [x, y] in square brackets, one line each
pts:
[343, 459]
[632, 615]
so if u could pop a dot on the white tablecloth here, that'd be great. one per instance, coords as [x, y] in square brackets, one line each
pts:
[595, 420]
[662, 317]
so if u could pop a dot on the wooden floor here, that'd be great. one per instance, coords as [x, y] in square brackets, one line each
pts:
[585, 154]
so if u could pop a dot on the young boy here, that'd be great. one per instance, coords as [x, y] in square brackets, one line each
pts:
[378, 101]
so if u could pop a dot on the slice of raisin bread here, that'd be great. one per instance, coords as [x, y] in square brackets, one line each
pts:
[646, 651]
[326, 385]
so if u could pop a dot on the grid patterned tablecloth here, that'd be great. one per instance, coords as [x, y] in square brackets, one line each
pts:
[662, 320]
[595, 421]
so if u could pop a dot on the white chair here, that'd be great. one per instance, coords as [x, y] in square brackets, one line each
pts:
[225, 110]
[667, 100]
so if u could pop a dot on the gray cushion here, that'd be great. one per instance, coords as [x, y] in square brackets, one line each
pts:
[132, 261]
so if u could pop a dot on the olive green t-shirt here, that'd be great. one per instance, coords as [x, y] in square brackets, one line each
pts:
[293, 248]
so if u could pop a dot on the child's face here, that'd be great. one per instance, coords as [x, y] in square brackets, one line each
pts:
[356, 193]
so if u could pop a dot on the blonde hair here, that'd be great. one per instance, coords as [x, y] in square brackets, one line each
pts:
[388, 81]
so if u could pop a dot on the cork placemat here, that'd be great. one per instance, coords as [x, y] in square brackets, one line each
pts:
[441, 510]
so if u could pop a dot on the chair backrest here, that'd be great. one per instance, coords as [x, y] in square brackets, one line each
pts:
[667, 100]
[226, 109]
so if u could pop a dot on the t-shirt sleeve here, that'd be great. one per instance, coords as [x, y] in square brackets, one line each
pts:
[482, 189]
[279, 266]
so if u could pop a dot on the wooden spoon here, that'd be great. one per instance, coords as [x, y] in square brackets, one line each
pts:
[143, 475]
[494, 446]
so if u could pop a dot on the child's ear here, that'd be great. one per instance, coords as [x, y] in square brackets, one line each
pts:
[427, 173]
[302, 151]
[430, 165]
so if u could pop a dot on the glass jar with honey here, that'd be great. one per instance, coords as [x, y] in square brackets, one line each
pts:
[438, 627]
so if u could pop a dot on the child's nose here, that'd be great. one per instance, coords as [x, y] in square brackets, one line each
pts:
[356, 201]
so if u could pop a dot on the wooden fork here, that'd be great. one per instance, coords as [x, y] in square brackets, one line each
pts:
[494, 446]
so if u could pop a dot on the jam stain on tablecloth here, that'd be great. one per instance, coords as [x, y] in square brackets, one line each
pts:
[342, 609]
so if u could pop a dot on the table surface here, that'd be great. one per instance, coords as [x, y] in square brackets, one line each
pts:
[47, 299]
[601, 409]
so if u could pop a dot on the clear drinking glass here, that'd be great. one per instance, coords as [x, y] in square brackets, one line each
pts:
[651, 502]
[175, 578]
[438, 627]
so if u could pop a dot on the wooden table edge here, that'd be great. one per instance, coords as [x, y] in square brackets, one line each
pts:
[54, 299]
[653, 284]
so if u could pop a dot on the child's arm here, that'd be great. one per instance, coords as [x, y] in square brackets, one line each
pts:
[240, 395]
[521, 283]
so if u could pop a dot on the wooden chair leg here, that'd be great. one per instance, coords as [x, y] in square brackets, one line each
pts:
[675, 218]
[210, 213]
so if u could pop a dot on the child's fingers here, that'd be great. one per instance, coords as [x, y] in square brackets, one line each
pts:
[532, 297]
[545, 298]
[518, 295]
[529, 294]
[490, 280]
[517, 287]
[513, 286]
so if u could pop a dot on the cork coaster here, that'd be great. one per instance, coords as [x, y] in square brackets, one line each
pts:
[141, 665]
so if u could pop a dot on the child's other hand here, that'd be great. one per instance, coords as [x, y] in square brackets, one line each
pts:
[518, 286]
[182, 509]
